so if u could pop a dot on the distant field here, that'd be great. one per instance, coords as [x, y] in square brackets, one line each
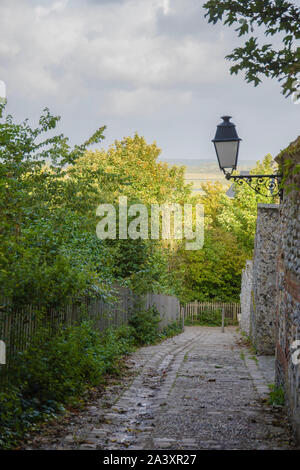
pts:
[198, 178]
[202, 171]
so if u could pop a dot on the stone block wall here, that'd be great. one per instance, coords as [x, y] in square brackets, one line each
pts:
[263, 295]
[288, 288]
[245, 297]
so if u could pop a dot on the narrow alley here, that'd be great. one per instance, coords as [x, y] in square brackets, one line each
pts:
[202, 389]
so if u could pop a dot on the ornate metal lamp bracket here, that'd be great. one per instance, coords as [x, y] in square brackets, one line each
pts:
[259, 183]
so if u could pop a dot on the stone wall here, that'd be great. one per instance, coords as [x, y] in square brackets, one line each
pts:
[263, 295]
[288, 289]
[245, 297]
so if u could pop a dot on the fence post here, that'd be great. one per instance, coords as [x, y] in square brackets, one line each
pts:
[182, 317]
[223, 319]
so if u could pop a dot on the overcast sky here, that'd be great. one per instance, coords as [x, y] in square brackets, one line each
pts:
[151, 66]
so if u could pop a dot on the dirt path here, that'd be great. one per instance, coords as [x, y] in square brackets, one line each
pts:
[198, 390]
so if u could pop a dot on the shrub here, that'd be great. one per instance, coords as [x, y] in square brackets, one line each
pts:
[18, 415]
[145, 324]
[55, 366]
[171, 330]
[58, 366]
[10, 416]
[207, 318]
[55, 369]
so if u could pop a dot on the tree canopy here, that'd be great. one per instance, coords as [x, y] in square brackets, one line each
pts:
[49, 192]
[49, 250]
[278, 18]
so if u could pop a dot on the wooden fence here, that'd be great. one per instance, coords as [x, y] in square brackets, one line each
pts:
[18, 325]
[167, 305]
[194, 310]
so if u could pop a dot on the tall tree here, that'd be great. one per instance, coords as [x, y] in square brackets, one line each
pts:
[45, 253]
[146, 179]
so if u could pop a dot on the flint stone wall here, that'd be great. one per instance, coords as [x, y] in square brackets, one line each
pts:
[287, 360]
[263, 295]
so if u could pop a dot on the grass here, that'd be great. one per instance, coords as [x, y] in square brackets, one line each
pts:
[171, 330]
[254, 358]
[276, 396]
[247, 342]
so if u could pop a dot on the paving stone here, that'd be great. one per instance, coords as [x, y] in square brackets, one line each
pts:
[88, 447]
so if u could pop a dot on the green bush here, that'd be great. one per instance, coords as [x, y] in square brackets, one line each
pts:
[207, 318]
[18, 415]
[171, 330]
[10, 416]
[145, 325]
[58, 366]
[116, 343]
[55, 369]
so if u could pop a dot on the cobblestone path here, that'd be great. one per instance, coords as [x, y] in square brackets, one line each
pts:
[199, 390]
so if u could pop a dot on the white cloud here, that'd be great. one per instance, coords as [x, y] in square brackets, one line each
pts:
[151, 65]
[59, 50]
[166, 6]
[144, 101]
[56, 7]
[2, 89]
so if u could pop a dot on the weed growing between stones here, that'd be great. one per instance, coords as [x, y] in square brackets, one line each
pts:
[277, 396]
[254, 358]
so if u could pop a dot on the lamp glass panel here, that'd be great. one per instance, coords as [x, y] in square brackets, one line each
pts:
[227, 152]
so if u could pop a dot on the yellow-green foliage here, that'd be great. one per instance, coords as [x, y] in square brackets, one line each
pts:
[147, 179]
[289, 164]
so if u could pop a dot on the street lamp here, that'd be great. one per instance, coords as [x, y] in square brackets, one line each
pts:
[227, 143]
